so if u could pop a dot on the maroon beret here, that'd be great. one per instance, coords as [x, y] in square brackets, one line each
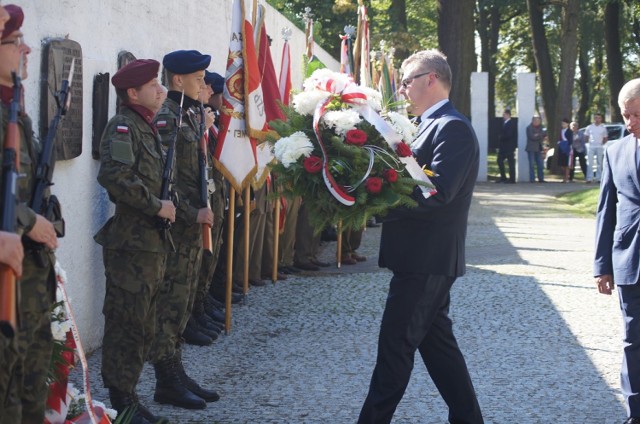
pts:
[16, 17]
[136, 73]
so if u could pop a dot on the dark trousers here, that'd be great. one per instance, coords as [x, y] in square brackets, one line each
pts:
[630, 374]
[509, 156]
[416, 317]
[583, 164]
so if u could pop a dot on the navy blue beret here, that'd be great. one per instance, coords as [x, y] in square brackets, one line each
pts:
[215, 80]
[184, 62]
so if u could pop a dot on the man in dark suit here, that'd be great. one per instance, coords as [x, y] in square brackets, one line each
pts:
[507, 147]
[424, 247]
[617, 258]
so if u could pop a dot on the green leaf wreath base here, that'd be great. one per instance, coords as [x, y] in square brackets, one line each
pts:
[348, 164]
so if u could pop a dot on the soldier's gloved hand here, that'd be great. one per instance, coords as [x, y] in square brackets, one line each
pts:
[168, 210]
[11, 252]
[209, 118]
[43, 232]
[205, 216]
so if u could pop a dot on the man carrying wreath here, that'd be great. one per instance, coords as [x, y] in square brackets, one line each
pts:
[424, 247]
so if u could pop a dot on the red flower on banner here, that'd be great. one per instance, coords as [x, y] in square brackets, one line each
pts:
[391, 175]
[312, 164]
[403, 150]
[373, 185]
[356, 137]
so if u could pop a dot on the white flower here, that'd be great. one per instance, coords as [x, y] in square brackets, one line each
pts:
[374, 98]
[59, 329]
[321, 75]
[341, 120]
[403, 126]
[289, 149]
[305, 102]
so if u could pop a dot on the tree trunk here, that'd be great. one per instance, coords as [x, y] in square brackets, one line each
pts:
[545, 71]
[456, 39]
[398, 18]
[614, 56]
[569, 40]
[585, 86]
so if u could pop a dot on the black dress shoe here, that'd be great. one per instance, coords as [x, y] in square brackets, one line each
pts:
[319, 263]
[306, 266]
[257, 283]
[194, 337]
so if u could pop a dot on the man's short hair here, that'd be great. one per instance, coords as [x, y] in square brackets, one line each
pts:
[431, 61]
[629, 91]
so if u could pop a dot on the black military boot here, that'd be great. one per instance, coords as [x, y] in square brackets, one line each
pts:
[189, 383]
[170, 390]
[127, 405]
[193, 336]
[209, 332]
[205, 321]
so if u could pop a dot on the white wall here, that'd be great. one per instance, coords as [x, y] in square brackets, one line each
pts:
[148, 29]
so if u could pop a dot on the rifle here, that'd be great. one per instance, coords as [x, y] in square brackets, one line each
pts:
[207, 243]
[49, 206]
[9, 295]
[166, 192]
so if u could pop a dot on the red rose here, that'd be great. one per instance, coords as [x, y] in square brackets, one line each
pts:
[373, 185]
[356, 137]
[403, 150]
[391, 175]
[312, 164]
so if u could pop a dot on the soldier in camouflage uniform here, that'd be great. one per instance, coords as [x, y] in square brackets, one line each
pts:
[184, 75]
[135, 244]
[213, 99]
[26, 369]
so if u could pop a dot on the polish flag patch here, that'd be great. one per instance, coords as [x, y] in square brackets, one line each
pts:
[161, 124]
[122, 129]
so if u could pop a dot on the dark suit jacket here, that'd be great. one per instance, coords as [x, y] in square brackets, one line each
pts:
[509, 136]
[430, 238]
[618, 219]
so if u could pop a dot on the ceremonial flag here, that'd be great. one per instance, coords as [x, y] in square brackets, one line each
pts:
[254, 102]
[235, 153]
[285, 69]
[362, 50]
[345, 67]
[270, 88]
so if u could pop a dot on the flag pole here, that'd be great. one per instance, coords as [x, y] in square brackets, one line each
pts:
[276, 236]
[231, 218]
[247, 212]
[339, 244]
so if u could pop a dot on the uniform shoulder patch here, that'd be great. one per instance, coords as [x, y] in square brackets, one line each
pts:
[122, 129]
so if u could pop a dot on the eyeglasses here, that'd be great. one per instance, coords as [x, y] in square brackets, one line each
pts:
[407, 81]
[18, 41]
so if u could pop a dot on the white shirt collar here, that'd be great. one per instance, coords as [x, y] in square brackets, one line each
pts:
[425, 115]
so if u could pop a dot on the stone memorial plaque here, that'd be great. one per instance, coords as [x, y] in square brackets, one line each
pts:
[124, 58]
[57, 55]
[101, 84]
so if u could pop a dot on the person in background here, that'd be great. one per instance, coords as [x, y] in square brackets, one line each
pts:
[507, 147]
[564, 149]
[535, 135]
[579, 147]
[596, 137]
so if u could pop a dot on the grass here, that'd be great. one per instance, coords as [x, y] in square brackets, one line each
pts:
[584, 202]
[493, 172]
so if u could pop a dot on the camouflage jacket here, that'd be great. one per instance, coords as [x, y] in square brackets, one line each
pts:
[186, 230]
[131, 165]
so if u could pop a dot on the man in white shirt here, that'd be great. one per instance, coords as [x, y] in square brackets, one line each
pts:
[596, 137]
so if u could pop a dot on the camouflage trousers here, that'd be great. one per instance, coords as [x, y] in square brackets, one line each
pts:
[133, 282]
[35, 341]
[210, 261]
[175, 300]
[10, 406]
